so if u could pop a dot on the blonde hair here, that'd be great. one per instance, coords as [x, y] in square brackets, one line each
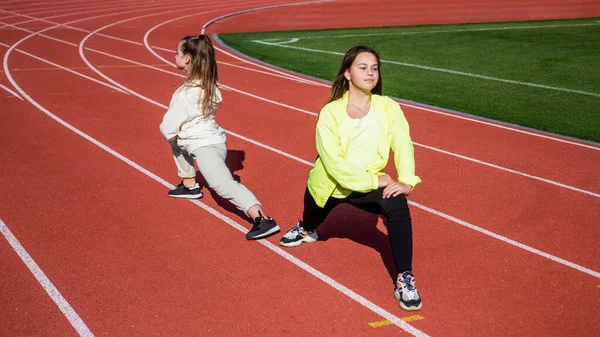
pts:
[203, 69]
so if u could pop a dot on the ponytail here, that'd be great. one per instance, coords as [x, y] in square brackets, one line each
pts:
[203, 70]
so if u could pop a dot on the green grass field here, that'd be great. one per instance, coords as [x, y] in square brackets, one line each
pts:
[543, 74]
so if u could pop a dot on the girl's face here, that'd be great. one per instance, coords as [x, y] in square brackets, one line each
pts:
[363, 74]
[182, 61]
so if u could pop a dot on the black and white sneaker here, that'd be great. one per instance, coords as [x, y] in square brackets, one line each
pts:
[296, 235]
[262, 228]
[407, 293]
[181, 191]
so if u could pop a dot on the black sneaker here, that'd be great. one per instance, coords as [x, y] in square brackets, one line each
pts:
[262, 228]
[181, 191]
[407, 293]
[296, 235]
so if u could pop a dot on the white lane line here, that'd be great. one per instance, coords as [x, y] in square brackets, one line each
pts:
[11, 92]
[24, 6]
[38, 33]
[298, 38]
[45, 282]
[442, 70]
[501, 168]
[256, 9]
[57, 24]
[67, 69]
[509, 241]
[286, 41]
[151, 50]
[497, 125]
[50, 9]
[270, 148]
[105, 6]
[270, 68]
[271, 73]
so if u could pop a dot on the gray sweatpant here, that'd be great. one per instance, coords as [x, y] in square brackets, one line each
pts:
[211, 164]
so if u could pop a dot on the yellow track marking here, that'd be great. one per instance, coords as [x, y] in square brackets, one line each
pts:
[386, 322]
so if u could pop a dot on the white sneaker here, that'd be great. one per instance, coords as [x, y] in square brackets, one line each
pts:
[296, 235]
[407, 293]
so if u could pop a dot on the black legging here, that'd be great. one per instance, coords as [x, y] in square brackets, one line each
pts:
[394, 210]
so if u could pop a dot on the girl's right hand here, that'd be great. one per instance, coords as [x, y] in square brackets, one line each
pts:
[384, 180]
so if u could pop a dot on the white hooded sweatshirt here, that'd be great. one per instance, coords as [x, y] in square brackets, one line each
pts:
[185, 121]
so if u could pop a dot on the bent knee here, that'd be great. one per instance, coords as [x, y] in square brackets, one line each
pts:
[397, 205]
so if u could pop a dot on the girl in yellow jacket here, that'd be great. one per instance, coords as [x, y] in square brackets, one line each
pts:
[355, 133]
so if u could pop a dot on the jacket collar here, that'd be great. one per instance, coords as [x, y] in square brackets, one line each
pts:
[376, 102]
[344, 127]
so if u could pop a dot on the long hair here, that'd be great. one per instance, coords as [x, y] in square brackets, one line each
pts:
[203, 69]
[341, 84]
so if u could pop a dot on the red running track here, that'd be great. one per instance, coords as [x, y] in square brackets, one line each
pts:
[504, 224]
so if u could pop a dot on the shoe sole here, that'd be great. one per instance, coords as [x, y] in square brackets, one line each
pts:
[271, 231]
[307, 239]
[188, 196]
[411, 308]
[404, 307]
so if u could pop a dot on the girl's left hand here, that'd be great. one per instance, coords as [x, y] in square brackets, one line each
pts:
[395, 189]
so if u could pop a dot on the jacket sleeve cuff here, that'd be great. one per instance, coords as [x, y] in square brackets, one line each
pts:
[413, 181]
[375, 182]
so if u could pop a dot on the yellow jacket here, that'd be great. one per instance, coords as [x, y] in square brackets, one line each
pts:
[333, 128]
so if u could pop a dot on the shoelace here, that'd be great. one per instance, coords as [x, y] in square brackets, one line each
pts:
[258, 219]
[408, 281]
[296, 227]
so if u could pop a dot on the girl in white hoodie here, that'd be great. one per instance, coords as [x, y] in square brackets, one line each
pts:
[190, 127]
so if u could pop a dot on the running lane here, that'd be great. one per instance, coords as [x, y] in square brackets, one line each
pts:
[149, 265]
